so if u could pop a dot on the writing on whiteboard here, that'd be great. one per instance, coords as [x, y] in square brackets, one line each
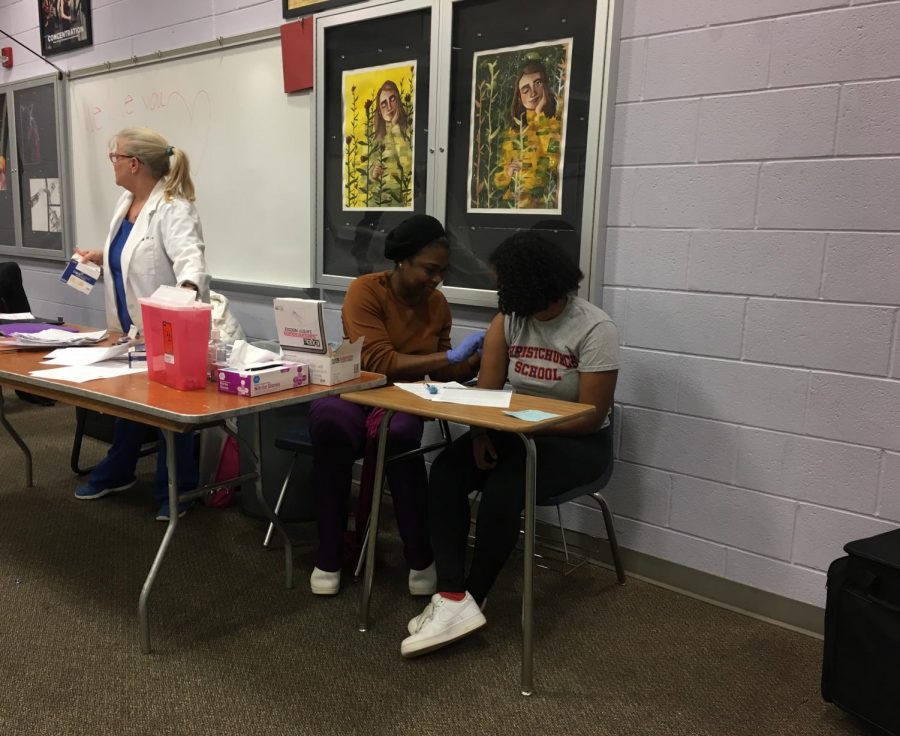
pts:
[196, 107]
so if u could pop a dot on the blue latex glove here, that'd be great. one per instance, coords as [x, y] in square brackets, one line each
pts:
[470, 344]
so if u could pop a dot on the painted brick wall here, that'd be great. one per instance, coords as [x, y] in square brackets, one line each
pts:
[753, 267]
[125, 28]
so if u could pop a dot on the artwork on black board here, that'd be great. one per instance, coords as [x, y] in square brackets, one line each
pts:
[4, 143]
[379, 104]
[46, 206]
[517, 140]
[296, 8]
[30, 145]
[65, 25]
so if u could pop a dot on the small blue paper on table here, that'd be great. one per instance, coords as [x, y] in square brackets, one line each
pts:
[531, 415]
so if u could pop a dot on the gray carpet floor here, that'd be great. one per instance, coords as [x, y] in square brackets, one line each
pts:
[237, 653]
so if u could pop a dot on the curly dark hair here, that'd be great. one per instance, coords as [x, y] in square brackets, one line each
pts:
[532, 273]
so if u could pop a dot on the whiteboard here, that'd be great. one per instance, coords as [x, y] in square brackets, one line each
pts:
[249, 149]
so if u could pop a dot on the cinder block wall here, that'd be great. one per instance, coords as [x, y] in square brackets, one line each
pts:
[753, 267]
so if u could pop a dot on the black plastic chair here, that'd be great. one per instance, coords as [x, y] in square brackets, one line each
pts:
[12, 293]
[592, 490]
[14, 300]
[297, 441]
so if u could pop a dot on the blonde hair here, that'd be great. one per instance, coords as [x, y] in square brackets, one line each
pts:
[152, 150]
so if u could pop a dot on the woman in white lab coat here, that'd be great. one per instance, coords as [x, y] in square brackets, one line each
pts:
[155, 238]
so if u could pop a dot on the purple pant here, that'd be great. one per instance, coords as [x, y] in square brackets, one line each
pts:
[338, 431]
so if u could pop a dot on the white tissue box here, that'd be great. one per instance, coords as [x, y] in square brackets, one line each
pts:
[336, 366]
[261, 380]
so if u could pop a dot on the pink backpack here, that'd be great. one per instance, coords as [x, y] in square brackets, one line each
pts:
[229, 467]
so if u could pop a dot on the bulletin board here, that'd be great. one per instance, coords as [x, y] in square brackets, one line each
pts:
[491, 115]
[249, 146]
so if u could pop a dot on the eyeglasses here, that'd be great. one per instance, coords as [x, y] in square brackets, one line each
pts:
[116, 156]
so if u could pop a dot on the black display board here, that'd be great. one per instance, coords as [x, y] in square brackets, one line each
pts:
[7, 229]
[481, 26]
[354, 238]
[513, 33]
[38, 165]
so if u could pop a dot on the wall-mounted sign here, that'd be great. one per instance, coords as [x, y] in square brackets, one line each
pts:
[65, 25]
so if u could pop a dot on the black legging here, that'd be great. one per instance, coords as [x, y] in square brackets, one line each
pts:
[562, 463]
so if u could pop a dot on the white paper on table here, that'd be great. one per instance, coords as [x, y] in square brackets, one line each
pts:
[82, 373]
[84, 356]
[16, 315]
[474, 397]
[421, 389]
[48, 338]
[118, 367]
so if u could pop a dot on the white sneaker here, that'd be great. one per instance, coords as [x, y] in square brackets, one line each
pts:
[423, 582]
[324, 583]
[416, 621]
[443, 621]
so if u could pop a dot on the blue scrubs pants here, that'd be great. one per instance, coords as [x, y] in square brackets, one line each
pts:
[118, 467]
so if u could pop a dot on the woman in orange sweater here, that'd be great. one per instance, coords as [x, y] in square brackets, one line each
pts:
[406, 322]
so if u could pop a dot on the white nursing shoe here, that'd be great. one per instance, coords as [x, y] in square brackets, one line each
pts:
[423, 582]
[322, 582]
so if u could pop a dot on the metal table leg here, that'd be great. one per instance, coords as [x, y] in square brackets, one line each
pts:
[164, 545]
[273, 518]
[528, 572]
[29, 475]
[372, 536]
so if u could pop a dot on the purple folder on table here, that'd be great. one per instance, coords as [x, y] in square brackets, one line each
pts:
[31, 327]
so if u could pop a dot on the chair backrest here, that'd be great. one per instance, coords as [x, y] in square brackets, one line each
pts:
[12, 292]
[609, 444]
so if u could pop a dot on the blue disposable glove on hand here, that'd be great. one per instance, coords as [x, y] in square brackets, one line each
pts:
[470, 344]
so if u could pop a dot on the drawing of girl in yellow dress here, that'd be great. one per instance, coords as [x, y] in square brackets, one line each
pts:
[391, 158]
[530, 151]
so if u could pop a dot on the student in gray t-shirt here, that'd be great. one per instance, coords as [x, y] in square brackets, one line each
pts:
[546, 341]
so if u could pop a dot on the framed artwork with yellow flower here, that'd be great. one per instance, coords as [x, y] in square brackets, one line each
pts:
[379, 137]
[517, 143]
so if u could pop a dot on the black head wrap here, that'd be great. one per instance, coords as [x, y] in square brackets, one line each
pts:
[411, 235]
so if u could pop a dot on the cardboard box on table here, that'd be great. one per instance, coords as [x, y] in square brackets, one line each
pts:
[301, 333]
